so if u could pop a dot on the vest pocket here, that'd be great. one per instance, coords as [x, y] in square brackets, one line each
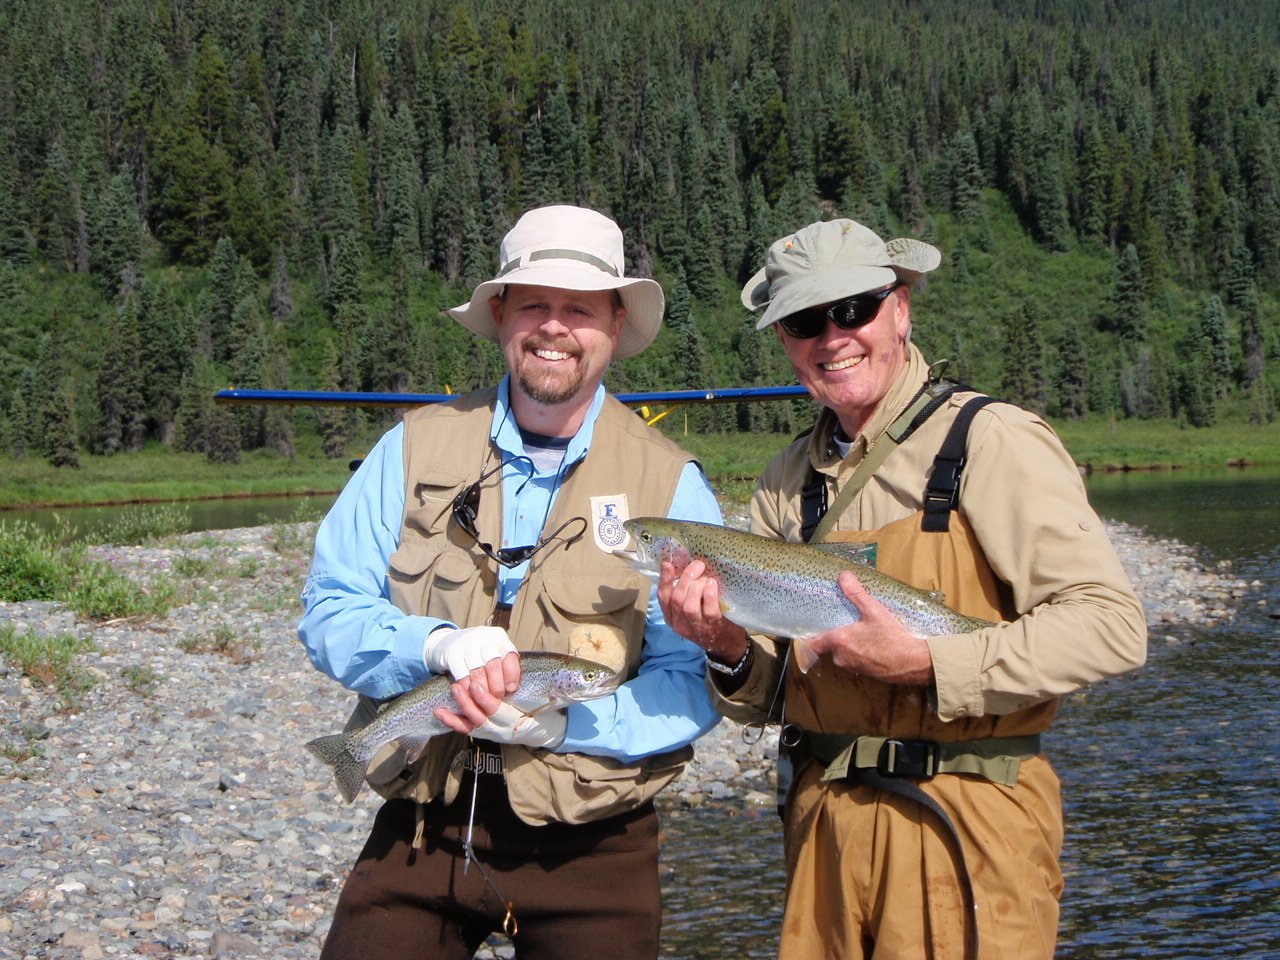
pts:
[595, 615]
[435, 568]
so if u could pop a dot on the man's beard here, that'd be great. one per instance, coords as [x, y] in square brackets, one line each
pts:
[551, 386]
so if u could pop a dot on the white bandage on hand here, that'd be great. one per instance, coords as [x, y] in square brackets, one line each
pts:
[459, 650]
[509, 724]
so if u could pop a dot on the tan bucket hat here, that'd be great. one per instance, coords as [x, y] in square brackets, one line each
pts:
[829, 261]
[571, 248]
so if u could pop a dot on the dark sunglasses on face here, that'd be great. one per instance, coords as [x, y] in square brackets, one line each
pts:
[850, 314]
[466, 503]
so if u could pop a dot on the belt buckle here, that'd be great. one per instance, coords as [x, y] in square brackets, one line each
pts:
[908, 758]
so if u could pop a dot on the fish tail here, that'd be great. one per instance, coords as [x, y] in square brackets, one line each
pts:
[347, 770]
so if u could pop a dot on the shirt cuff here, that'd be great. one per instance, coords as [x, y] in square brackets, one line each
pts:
[957, 673]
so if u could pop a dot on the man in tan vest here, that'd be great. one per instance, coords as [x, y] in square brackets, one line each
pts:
[922, 821]
[482, 527]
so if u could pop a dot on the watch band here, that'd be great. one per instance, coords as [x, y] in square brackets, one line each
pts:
[737, 669]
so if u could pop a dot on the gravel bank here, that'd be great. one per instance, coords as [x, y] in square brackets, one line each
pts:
[172, 811]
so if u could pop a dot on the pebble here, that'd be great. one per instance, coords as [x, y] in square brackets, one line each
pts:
[171, 810]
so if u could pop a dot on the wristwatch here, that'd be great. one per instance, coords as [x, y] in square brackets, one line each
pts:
[737, 669]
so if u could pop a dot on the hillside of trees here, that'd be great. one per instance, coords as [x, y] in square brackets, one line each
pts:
[197, 194]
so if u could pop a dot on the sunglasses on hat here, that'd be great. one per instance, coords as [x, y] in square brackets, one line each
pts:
[857, 311]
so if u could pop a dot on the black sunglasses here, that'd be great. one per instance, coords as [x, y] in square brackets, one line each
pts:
[466, 503]
[848, 314]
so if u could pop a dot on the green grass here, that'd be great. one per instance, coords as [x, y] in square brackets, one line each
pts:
[37, 564]
[733, 461]
[49, 661]
[156, 474]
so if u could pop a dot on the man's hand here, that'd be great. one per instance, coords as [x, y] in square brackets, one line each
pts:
[459, 651]
[877, 645]
[485, 716]
[691, 605]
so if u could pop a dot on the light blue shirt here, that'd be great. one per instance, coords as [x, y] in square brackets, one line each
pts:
[353, 632]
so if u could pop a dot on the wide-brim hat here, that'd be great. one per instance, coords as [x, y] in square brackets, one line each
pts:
[570, 248]
[829, 261]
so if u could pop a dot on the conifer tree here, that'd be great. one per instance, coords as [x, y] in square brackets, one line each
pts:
[966, 178]
[19, 421]
[164, 346]
[1071, 382]
[1213, 345]
[60, 444]
[120, 246]
[119, 388]
[1022, 358]
[1129, 299]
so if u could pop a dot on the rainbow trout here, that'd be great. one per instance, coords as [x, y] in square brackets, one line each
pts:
[547, 681]
[785, 589]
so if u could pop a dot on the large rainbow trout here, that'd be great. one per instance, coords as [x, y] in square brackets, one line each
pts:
[785, 589]
[547, 681]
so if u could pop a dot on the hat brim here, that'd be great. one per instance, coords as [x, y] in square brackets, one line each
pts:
[641, 297]
[909, 260]
[814, 291]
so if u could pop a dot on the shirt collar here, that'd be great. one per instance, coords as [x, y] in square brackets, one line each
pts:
[506, 435]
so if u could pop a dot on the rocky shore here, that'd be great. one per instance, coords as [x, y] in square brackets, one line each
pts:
[170, 810]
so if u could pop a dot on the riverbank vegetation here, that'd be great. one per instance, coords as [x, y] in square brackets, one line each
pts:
[733, 461]
[195, 197]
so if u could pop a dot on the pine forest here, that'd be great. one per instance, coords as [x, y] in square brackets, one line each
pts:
[200, 194]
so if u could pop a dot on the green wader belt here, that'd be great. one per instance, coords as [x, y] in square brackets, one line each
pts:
[895, 766]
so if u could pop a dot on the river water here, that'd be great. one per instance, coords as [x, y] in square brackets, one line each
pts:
[1170, 775]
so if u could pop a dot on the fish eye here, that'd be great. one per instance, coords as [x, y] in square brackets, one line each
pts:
[647, 537]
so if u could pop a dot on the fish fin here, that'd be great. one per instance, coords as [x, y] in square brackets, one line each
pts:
[347, 770]
[850, 550]
[412, 747]
[805, 657]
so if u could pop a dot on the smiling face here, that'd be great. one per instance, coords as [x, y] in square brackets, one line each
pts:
[557, 344]
[850, 371]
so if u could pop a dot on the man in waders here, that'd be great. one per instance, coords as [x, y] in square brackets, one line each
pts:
[487, 525]
[923, 819]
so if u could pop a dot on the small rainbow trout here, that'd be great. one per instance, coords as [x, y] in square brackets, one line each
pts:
[547, 681]
[785, 589]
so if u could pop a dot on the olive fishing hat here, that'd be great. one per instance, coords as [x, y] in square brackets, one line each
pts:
[570, 248]
[829, 261]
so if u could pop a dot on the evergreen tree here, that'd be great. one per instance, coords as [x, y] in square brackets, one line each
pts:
[966, 179]
[19, 421]
[60, 445]
[1071, 382]
[1213, 344]
[1129, 299]
[281, 297]
[120, 247]
[164, 357]
[121, 420]
[1022, 358]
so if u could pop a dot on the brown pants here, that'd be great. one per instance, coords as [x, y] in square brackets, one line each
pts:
[872, 875]
[576, 890]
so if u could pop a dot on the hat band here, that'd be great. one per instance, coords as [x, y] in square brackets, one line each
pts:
[602, 265]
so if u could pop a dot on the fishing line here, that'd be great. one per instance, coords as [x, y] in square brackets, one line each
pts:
[510, 926]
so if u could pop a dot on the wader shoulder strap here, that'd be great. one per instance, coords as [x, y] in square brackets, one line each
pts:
[942, 490]
[815, 516]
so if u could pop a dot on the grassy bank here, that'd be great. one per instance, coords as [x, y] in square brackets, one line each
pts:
[732, 460]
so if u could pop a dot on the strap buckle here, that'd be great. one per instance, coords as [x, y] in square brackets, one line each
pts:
[908, 758]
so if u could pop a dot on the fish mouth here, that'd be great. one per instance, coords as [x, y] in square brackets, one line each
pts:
[640, 561]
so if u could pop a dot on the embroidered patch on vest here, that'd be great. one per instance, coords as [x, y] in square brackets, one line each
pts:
[607, 516]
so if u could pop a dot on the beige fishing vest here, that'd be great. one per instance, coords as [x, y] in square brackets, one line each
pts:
[831, 700]
[576, 598]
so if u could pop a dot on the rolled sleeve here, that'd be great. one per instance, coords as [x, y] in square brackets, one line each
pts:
[1079, 618]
